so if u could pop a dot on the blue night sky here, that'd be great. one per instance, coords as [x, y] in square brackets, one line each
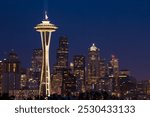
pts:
[120, 27]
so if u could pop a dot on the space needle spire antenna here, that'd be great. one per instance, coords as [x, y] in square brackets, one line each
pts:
[46, 16]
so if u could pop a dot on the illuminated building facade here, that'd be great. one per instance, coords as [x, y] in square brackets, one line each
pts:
[105, 84]
[62, 55]
[11, 74]
[93, 68]
[34, 73]
[114, 67]
[45, 28]
[143, 90]
[57, 83]
[79, 70]
[127, 85]
[69, 84]
[36, 63]
[103, 68]
[26, 94]
[140, 87]
[147, 88]
[124, 73]
[23, 79]
[113, 73]
[61, 64]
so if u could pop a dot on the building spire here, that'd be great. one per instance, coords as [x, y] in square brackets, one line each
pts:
[46, 16]
[93, 47]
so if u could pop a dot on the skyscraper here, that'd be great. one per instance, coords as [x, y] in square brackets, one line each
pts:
[93, 67]
[113, 71]
[34, 73]
[23, 79]
[60, 66]
[36, 63]
[103, 68]
[79, 70]
[114, 66]
[11, 74]
[62, 55]
[45, 28]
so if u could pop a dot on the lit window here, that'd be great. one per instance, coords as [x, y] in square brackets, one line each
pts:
[14, 67]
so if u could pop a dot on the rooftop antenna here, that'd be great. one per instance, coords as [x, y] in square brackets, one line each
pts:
[46, 9]
[46, 16]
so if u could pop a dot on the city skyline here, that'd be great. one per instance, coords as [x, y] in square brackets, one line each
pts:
[124, 33]
[100, 80]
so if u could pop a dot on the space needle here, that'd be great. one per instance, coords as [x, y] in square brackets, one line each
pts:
[45, 28]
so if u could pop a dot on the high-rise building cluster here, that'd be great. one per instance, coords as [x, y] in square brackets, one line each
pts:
[83, 74]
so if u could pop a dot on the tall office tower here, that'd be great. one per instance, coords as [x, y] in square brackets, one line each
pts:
[103, 68]
[35, 70]
[79, 70]
[23, 79]
[11, 74]
[36, 63]
[104, 81]
[113, 71]
[62, 55]
[93, 67]
[114, 65]
[61, 64]
[45, 28]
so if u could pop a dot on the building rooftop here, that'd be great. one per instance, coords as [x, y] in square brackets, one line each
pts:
[93, 47]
